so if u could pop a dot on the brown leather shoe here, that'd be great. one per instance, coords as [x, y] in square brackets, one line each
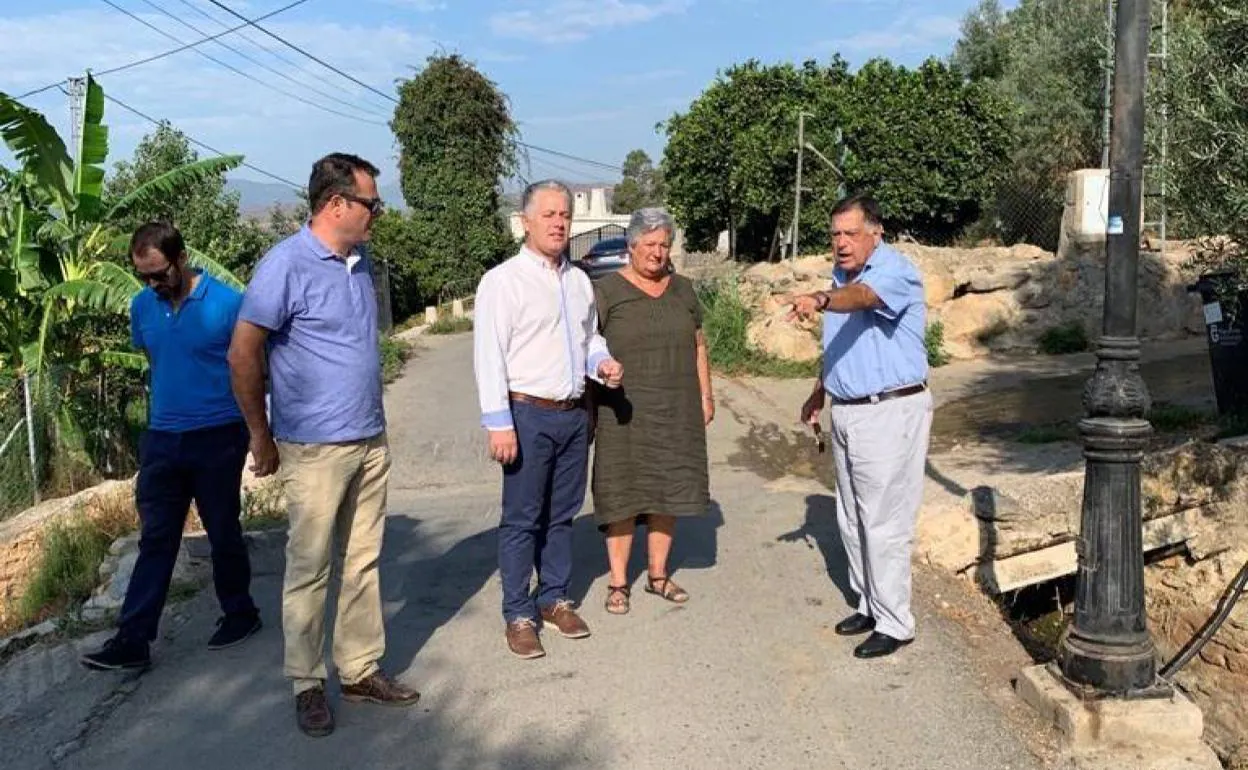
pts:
[377, 687]
[313, 714]
[522, 639]
[563, 617]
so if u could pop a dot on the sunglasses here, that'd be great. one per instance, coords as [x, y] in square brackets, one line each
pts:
[159, 276]
[374, 205]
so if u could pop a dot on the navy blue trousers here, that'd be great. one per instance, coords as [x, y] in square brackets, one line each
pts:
[542, 492]
[175, 468]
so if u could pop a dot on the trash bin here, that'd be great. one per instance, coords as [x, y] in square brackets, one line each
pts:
[1228, 348]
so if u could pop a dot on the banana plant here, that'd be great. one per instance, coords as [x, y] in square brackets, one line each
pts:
[56, 233]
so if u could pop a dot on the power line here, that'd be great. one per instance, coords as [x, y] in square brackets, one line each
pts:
[294, 47]
[267, 49]
[255, 61]
[391, 97]
[239, 72]
[198, 143]
[163, 54]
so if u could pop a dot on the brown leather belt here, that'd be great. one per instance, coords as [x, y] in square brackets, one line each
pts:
[548, 403]
[909, 390]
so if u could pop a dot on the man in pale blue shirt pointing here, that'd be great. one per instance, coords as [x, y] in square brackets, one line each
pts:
[875, 374]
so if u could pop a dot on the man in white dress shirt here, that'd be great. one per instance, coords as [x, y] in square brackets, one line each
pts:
[535, 341]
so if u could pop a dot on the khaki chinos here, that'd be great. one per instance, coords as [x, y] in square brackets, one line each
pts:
[336, 498]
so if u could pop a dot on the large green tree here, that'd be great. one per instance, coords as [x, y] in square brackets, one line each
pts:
[927, 144]
[641, 186]
[1046, 59]
[457, 141]
[207, 214]
[1207, 89]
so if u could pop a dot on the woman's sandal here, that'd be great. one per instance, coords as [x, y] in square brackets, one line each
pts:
[618, 599]
[669, 590]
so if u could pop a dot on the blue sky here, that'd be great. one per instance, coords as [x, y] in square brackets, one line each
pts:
[586, 77]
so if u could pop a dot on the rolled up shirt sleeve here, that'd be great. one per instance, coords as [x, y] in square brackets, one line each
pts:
[491, 331]
[897, 286]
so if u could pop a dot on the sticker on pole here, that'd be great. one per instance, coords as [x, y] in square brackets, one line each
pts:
[1115, 225]
[1213, 313]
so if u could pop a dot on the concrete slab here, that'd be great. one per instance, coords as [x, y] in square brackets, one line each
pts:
[1146, 734]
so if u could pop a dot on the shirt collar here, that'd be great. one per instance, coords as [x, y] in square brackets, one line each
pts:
[539, 261]
[201, 288]
[319, 248]
[842, 278]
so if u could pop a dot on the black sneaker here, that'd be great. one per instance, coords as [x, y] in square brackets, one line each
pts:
[118, 654]
[233, 629]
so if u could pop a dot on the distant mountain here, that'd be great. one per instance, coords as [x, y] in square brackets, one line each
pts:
[258, 197]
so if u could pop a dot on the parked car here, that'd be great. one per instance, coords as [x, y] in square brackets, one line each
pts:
[605, 256]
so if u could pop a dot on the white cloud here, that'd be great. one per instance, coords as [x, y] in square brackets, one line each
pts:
[565, 21]
[905, 33]
[208, 102]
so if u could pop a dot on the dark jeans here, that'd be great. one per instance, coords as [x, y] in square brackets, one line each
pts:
[542, 492]
[174, 468]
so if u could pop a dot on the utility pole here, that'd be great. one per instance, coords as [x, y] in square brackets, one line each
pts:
[1108, 651]
[77, 92]
[797, 187]
[1109, 82]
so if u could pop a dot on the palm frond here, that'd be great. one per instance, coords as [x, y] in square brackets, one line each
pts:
[118, 279]
[90, 154]
[39, 149]
[124, 359]
[170, 182]
[214, 268]
[92, 294]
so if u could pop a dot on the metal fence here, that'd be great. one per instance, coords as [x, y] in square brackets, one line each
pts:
[67, 430]
[579, 245]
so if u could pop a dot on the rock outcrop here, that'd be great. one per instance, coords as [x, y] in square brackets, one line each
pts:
[991, 298]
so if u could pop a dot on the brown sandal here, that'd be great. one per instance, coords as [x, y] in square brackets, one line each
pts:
[669, 590]
[618, 606]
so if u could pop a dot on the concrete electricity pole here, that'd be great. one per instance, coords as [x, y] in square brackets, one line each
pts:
[797, 187]
[77, 93]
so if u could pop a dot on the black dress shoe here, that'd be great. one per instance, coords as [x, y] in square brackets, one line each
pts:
[855, 624]
[878, 645]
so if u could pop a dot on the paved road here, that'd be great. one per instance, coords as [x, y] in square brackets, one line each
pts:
[748, 674]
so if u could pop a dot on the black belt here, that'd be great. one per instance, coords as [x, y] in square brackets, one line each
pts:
[909, 390]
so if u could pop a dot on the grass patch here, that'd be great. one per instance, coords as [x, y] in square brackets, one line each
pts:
[1047, 434]
[1172, 418]
[394, 354]
[448, 324]
[68, 570]
[1067, 338]
[724, 322]
[264, 507]
[934, 342]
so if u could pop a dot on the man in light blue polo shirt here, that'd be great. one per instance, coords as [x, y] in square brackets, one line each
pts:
[311, 308]
[194, 447]
[875, 375]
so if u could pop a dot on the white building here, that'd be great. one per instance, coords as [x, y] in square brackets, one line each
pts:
[589, 212]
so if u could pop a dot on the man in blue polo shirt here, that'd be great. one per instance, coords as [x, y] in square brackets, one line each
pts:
[194, 447]
[312, 310]
[875, 374]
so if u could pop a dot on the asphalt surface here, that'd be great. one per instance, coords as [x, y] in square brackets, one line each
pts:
[748, 674]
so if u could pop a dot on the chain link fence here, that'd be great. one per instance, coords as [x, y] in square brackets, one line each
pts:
[67, 430]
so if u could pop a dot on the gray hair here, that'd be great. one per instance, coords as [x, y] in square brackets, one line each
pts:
[531, 191]
[648, 220]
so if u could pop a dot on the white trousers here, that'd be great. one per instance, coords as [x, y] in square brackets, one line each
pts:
[880, 452]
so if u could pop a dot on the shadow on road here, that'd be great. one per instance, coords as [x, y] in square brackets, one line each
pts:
[821, 530]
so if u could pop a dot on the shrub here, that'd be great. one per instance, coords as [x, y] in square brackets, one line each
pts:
[1068, 338]
[934, 341]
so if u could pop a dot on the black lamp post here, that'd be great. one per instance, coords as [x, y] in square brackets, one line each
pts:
[1108, 650]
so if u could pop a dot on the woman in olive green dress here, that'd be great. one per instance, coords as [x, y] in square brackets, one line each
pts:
[650, 462]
